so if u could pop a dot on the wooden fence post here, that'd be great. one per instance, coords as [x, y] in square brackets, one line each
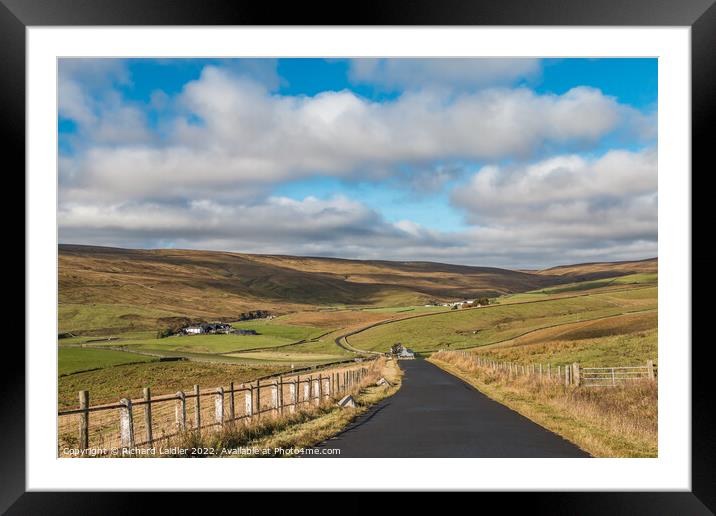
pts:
[180, 410]
[126, 425]
[650, 369]
[84, 420]
[576, 375]
[231, 402]
[320, 388]
[219, 406]
[197, 407]
[566, 376]
[148, 414]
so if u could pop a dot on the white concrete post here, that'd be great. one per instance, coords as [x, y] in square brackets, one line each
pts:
[126, 426]
[249, 403]
[292, 397]
[180, 411]
[219, 406]
[274, 396]
[307, 390]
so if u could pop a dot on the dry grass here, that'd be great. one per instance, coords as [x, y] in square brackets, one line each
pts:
[304, 428]
[605, 422]
[584, 271]
[622, 340]
[105, 290]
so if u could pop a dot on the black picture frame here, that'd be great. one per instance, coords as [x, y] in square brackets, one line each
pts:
[700, 15]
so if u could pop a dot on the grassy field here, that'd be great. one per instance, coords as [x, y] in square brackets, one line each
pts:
[286, 332]
[606, 422]
[110, 384]
[482, 326]
[622, 340]
[73, 360]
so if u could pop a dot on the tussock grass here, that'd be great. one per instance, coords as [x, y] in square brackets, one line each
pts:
[606, 422]
[304, 428]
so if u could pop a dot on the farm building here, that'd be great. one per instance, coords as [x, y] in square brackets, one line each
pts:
[406, 353]
[207, 328]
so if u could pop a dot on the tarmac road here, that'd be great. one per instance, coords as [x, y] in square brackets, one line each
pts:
[435, 414]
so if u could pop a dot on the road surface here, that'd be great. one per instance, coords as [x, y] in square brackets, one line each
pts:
[435, 414]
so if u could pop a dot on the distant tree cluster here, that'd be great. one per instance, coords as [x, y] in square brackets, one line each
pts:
[253, 314]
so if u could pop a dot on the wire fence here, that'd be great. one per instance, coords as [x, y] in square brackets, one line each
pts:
[142, 422]
[569, 374]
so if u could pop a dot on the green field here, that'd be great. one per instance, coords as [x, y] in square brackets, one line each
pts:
[127, 381]
[106, 319]
[72, 360]
[481, 326]
[286, 332]
[602, 285]
[401, 309]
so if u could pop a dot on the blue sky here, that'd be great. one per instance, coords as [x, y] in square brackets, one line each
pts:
[514, 163]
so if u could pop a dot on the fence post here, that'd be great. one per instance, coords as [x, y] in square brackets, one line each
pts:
[316, 390]
[249, 401]
[549, 371]
[258, 399]
[320, 388]
[274, 397]
[148, 414]
[126, 425]
[614, 380]
[180, 411]
[292, 397]
[231, 401]
[280, 394]
[576, 375]
[84, 420]
[219, 406]
[650, 369]
[197, 407]
[566, 376]
[328, 387]
[307, 390]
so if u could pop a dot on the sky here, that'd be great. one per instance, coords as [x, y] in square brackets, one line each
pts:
[517, 163]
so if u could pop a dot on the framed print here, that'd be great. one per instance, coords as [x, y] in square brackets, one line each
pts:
[430, 248]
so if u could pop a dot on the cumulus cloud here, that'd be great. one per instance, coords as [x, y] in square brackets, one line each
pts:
[234, 134]
[567, 202]
[203, 175]
[449, 73]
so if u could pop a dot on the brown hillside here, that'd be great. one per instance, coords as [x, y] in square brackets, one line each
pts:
[597, 270]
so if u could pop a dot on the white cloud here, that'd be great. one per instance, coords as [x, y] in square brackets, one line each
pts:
[236, 135]
[450, 73]
[566, 202]
[206, 181]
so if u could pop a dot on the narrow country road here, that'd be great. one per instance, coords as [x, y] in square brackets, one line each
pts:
[435, 414]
